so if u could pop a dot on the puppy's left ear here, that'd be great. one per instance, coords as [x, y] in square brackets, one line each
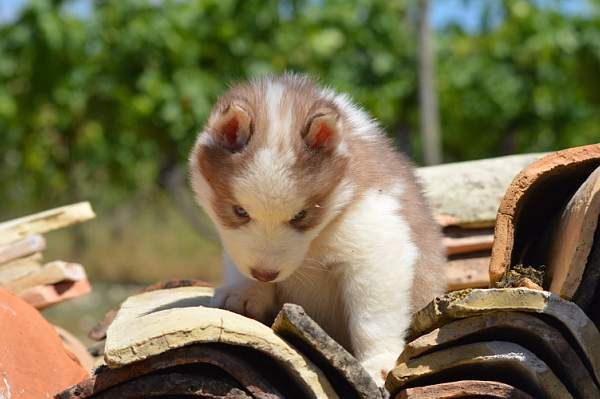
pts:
[323, 131]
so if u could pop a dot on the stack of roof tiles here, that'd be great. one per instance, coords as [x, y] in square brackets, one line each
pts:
[37, 359]
[22, 271]
[537, 336]
[533, 335]
[465, 197]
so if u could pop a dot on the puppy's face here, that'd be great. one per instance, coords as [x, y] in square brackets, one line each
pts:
[269, 168]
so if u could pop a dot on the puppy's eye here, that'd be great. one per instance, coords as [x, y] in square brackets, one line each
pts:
[298, 217]
[240, 212]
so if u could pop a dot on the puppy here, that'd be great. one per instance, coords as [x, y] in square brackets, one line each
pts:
[314, 207]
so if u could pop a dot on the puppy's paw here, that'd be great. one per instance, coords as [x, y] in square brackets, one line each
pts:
[250, 299]
[379, 366]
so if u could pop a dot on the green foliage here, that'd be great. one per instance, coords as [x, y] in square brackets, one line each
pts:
[98, 106]
[109, 100]
[531, 83]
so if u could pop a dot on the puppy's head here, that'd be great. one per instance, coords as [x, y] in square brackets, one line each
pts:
[270, 169]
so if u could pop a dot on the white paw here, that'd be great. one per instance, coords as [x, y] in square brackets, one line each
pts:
[251, 299]
[380, 365]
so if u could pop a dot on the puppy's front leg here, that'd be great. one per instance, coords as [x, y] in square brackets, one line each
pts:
[245, 296]
[377, 300]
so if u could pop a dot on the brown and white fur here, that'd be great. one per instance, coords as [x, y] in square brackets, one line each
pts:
[364, 253]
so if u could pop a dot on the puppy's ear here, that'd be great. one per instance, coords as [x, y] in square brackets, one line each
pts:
[232, 129]
[323, 131]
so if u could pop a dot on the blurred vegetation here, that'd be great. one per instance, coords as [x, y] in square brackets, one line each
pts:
[105, 106]
[112, 102]
[530, 82]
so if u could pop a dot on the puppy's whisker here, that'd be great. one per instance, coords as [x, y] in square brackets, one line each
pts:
[303, 280]
[315, 268]
[315, 264]
[299, 277]
[306, 278]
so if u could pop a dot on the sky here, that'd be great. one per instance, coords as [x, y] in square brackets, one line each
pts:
[466, 13]
[443, 12]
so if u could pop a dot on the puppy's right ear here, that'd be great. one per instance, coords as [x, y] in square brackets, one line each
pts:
[232, 128]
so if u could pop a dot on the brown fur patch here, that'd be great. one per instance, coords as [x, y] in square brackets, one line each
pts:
[376, 165]
[319, 173]
[218, 166]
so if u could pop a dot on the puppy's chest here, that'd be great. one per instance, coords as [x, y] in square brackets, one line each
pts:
[318, 292]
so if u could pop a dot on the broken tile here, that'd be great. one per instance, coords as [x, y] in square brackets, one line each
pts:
[345, 373]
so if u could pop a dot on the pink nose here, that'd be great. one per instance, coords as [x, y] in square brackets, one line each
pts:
[264, 275]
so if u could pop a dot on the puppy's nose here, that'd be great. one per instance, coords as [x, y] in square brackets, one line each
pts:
[264, 275]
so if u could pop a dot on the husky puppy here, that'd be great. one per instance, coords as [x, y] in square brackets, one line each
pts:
[314, 207]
